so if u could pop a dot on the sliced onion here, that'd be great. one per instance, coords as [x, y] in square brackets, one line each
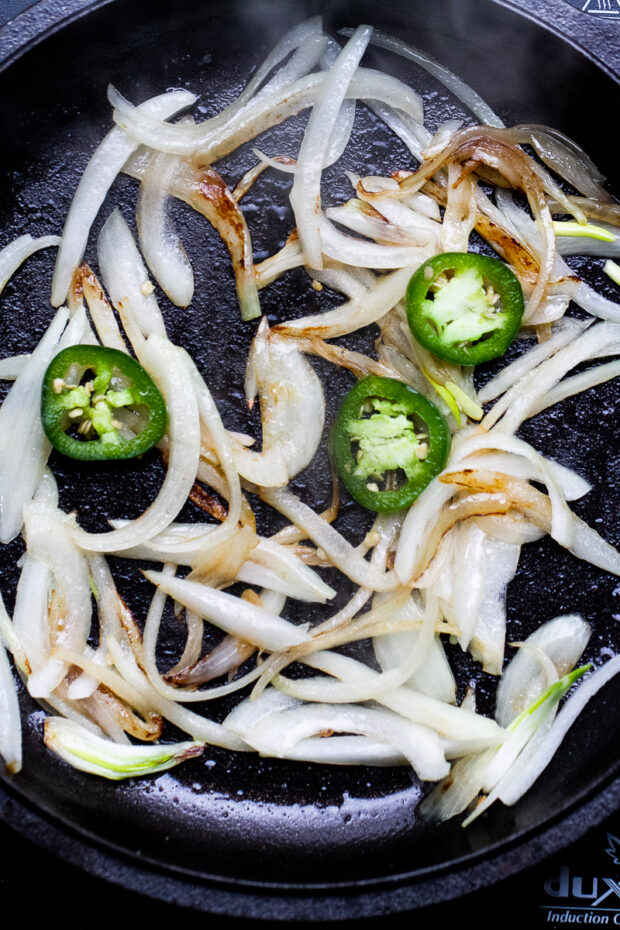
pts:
[531, 763]
[460, 213]
[280, 732]
[563, 334]
[357, 312]
[206, 192]
[292, 411]
[448, 721]
[89, 753]
[290, 575]
[565, 157]
[351, 251]
[587, 298]
[412, 133]
[226, 657]
[126, 279]
[232, 614]
[10, 368]
[362, 218]
[221, 443]
[305, 195]
[340, 552]
[211, 142]
[307, 43]
[161, 246]
[408, 218]
[562, 640]
[518, 402]
[166, 365]
[103, 167]
[130, 683]
[358, 686]
[434, 678]
[100, 310]
[23, 459]
[49, 539]
[579, 538]
[578, 384]
[487, 643]
[341, 750]
[10, 721]
[459, 88]
[289, 256]
[16, 252]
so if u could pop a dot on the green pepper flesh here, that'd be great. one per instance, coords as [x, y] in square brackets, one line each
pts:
[464, 308]
[389, 443]
[79, 413]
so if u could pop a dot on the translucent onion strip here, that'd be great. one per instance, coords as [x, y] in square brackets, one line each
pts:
[221, 442]
[161, 246]
[166, 365]
[577, 384]
[356, 313]
[563, 334]
[126, 278]
[292, 410]
[450, 722]
[434, 678]
[10, 721]
[280, 732]
[459, 88]
[519, 401]
[530, 765]
[89, 753]
[100, 310]
[16, 252]
[210, 143]
[23, 460]
[69, 615]
[576, 536]
[340, 552]
[10, 368]
[232, 614]
[305, 195]
[103, 167]
[192, 670]
[562, 640]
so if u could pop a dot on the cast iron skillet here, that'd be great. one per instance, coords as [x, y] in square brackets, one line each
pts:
[226, 831]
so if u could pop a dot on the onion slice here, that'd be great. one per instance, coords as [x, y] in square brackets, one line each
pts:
[232, 614]
[161, 246]
[280, 732]
[530, 765]
[305, 195]
[166, 365]
[23, 459]
[292, 410]
[340, 552]
[97, 178]
[89, 753]
[16, 252]
[355, 313]
[10, 721]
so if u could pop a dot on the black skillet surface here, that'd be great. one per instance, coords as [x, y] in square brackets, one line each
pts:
[222, 832]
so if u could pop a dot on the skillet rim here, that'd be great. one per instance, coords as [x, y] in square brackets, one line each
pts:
[37, 30]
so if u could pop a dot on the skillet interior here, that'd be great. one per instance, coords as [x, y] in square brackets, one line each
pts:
[241, 819]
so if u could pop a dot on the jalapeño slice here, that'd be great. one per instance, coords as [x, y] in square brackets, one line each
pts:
[389, 442]
[464, 308]
[84, 392]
